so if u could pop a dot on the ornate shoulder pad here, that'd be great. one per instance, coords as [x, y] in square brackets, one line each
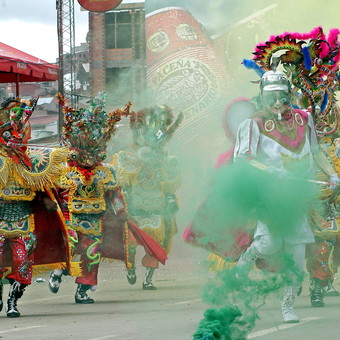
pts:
[111, 177]
[128, 166]
[45, 169]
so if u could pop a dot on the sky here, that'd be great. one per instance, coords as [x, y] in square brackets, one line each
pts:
[31, 26]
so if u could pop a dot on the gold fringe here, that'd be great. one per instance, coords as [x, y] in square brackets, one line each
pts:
[169, 238]
[50, 176]
[107, 259]
[47, 178]
[217, 263]
[4, 170]
[129, 167]
[75, 269]
[157, 234]
[128, 264]
[123, 178]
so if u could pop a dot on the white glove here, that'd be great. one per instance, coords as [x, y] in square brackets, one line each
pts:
[334, 179]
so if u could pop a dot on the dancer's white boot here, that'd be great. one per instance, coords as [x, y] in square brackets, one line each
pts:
[287, 302]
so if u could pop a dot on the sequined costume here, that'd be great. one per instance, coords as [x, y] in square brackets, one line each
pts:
[323, 256]
[27, 178]
[93, 206]
[150, 180]
[311, 60]
[292, 139]
[83, 200]
[274, 139]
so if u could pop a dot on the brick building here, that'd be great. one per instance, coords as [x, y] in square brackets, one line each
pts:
[117, 52]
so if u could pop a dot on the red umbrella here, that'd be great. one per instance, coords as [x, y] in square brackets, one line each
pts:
[17, 66]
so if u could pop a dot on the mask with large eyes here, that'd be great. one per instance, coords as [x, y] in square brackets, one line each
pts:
[74, 155]
[271, 98]
[276, 101]
[101, 156]
[86, 159]
[6, 135]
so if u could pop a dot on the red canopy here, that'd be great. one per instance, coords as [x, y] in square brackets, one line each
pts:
[17, 66]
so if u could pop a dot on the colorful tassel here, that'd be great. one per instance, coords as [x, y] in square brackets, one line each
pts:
[306, 58]
[250, 64]
[324, 103]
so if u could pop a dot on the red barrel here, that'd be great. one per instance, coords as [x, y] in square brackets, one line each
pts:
[183, 68]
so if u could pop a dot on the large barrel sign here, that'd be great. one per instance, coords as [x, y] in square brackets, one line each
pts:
[99, 5]
[183, 69]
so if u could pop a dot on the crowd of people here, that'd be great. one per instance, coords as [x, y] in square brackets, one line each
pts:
[64, 203]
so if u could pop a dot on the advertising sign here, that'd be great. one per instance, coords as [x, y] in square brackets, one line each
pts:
[99, 5]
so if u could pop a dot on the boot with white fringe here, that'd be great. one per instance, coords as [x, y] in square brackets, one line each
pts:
[287, 305]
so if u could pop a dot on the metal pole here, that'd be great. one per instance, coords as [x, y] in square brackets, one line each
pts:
[133, 66]
[59, 7]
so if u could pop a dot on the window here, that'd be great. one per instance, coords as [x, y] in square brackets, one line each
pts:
[119, 30]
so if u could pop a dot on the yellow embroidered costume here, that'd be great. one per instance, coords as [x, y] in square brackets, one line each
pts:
[150, 180]
[32, 229]
[90, 195]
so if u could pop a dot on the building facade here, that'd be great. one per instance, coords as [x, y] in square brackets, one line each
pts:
[117, 52]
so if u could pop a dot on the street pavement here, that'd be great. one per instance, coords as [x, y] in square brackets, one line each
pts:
[172, 312]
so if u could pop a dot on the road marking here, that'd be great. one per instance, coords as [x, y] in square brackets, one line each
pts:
[20, 329]
[45, 299]
[281, 327]
[106, 337]
[183, 302]
[112, 337]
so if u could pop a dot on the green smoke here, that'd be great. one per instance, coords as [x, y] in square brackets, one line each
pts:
[240, 296]
[216, 323]
[240, 195]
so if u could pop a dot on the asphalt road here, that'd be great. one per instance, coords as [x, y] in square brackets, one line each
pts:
[172, 312]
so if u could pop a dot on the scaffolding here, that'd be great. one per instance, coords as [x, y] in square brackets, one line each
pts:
[66, 43]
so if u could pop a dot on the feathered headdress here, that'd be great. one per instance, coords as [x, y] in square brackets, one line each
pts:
[89, 129]
[311, 62]
[154, 125]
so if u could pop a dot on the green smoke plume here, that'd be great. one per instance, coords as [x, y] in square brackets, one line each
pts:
[239, 297]
[240, 195]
